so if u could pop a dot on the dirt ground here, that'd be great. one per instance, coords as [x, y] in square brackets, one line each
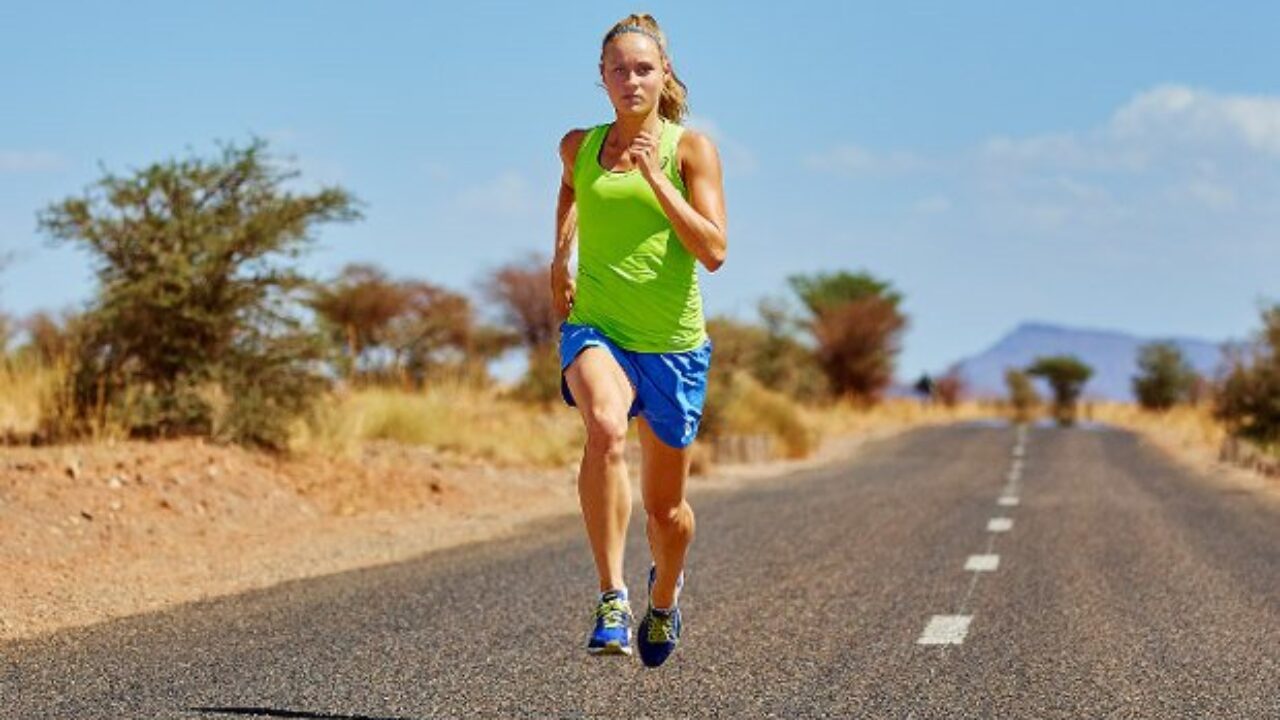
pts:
[93, 532]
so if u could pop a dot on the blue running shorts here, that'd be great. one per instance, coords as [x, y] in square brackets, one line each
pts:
[670, 387]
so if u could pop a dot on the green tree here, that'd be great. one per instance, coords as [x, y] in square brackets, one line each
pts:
[1067, 375]
[1023, 398]
[196, 326]
[1164, 377]
[825, 291]
[356, 308]
[857, 328]
[1248, 398]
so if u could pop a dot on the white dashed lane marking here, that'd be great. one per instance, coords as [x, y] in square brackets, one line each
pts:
[952, 629]
[982, 563]
[1000, 524]
[945, 630]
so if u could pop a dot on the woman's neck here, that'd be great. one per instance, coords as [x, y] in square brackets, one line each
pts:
[626, 128]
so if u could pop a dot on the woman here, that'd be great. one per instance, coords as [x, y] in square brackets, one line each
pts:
[645, 199]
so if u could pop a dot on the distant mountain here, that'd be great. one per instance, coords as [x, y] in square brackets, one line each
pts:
[1112, 355]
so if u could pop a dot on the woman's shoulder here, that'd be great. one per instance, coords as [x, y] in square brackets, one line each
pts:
[695, 147]
[572, 141]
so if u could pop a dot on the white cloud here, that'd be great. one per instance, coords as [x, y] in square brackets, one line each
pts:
[507, 194]
[1063, 151]
[28, 161]
[1175, 113]
[851, 159]
[736, 157]
[1170, 161]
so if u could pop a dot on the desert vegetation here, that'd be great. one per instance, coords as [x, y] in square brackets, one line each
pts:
[202, 325]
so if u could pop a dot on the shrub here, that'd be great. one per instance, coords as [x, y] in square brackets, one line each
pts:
[737, 403]
[1164, 376]
[1248, 397]
[196, 296]
[1023, 398]
[1067, 375]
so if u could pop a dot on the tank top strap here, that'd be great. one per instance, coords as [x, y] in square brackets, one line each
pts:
[588, 150]
[668, 146]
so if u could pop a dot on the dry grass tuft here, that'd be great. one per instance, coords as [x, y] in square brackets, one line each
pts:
[1183, 428]
[754, 409]
[845, 418]
[29, 395]
[471, 422]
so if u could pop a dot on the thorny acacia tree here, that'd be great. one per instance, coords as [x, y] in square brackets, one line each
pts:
[195, 328]
[857, 327]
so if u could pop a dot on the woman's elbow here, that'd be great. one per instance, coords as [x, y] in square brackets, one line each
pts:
[715, 258]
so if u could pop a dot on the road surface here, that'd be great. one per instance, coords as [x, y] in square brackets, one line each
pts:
[974, 570]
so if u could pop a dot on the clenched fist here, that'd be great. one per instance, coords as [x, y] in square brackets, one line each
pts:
[563, 288]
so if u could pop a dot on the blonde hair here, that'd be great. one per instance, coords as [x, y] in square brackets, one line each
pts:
[673, 105]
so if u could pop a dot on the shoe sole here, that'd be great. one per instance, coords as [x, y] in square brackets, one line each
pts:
[612, 648]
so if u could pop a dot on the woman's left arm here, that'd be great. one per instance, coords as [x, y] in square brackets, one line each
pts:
[700, 222]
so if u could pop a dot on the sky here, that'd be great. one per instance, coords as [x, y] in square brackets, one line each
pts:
[1096, 164]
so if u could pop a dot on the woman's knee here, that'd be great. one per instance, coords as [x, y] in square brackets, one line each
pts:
[669, 514]
[606, 432]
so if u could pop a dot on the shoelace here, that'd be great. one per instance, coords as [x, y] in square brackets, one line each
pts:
[613, 613]
[661, 629]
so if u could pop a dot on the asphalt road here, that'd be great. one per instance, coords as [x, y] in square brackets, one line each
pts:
[1123, 586]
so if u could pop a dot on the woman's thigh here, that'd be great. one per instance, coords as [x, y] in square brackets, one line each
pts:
[599, 385]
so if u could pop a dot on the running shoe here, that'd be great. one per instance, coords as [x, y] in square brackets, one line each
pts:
[612, 633]
[659, 633]
[660, 629]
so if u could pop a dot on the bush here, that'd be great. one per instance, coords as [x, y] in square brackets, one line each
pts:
[1248, 398]
[196, 300]
[950, 388]
[738, 404]
[769, 354]
[1164, 376]
[1067, 375]
[541, 381]
[1023, 398]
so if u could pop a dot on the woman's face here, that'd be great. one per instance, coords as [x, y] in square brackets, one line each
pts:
[633, 73]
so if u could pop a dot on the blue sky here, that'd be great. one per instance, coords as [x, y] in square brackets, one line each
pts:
[1111, 165]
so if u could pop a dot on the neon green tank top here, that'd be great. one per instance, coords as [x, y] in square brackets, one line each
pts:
[636, 282]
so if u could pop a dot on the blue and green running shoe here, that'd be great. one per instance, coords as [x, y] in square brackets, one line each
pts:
[612, 633]
[659, 633]
[660, 629]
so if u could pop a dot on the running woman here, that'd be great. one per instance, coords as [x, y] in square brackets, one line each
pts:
[645, 199]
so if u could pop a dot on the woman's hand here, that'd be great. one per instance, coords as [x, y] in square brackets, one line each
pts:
[643, 153]
[563, 287]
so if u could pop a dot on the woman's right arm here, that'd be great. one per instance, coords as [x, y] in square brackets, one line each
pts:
[562, 282]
